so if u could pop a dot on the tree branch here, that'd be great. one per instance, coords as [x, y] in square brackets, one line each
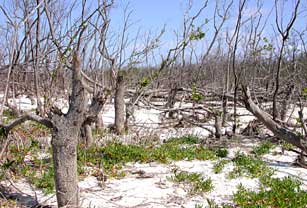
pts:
[5, 129]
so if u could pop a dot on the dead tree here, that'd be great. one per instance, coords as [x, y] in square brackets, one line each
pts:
[279, 131]
[119, 104]
[66, 133]
[234, 69]
[284, 33]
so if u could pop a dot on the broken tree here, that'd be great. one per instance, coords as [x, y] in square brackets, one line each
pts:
[65, 134]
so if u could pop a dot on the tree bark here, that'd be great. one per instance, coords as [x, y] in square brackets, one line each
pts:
[171, 101]
[285, 103]
[218, 125]
[64, 144]
[119, 103]
[99, 121]
[88, 136]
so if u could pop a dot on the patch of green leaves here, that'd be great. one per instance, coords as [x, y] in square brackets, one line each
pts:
[196, 95]
[287, 146]
[263, 148]
[274, 192]
[145, 82]
[221, 152]
[197, 184]
[197, 34]
[40, 172]
[212, 204]
[249, 166]
[45, 181]
[8, 115]
[219, 166]
[115, 155]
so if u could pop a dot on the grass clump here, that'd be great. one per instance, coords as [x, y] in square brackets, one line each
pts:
[8, 115]
[219, 166]
[189, 139]
[287, 146]
[45, 181]
[263, 148]
[197, 184]
[221, 152]
[249, 166]
[212, 204]
[173, 152]
[38, 171]
[274, 192]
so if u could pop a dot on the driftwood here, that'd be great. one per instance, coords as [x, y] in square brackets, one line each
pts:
[278, 130]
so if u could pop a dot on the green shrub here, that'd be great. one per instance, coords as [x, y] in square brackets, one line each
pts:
[45, 181]
[249, 166]
[212, 204]
[195, 181]
[263, 148]
[189, 139]
[9, 115]
[221, 152]
[274, 192]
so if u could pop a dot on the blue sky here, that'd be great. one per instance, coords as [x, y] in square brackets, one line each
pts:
[151, 15]
[154, 13]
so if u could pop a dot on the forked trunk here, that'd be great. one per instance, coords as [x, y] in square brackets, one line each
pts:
[64, 144]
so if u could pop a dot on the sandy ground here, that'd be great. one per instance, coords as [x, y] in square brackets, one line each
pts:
[156, 190]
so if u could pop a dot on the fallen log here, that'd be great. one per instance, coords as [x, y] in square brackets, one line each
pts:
[278, 130]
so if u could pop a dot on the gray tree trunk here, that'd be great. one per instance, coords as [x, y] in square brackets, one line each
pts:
[88, 135]
[218, 126]
[64, 144]
[119, 104]
[99, 122]
[285, 103]
[171, 101]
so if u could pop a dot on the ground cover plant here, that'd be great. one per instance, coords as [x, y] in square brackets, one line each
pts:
[195, 182]
[274, 192]
[249, 166]
[112, 157]
[25, 161]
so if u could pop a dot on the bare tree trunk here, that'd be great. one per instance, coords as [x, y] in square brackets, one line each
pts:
[64, 144]
[36, 67]
[119, 104]
[225, 98]
[171, 100]
[99, 121]
[284, 35]
[285, 103]
[88, 135]
[218, 125]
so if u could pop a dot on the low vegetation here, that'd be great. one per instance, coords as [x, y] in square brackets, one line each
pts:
[115, 155]
[274, 192]
[24, 161]
[194, 181]
[249, 166]
[112, 157]
[264, 148]
[219, 166]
